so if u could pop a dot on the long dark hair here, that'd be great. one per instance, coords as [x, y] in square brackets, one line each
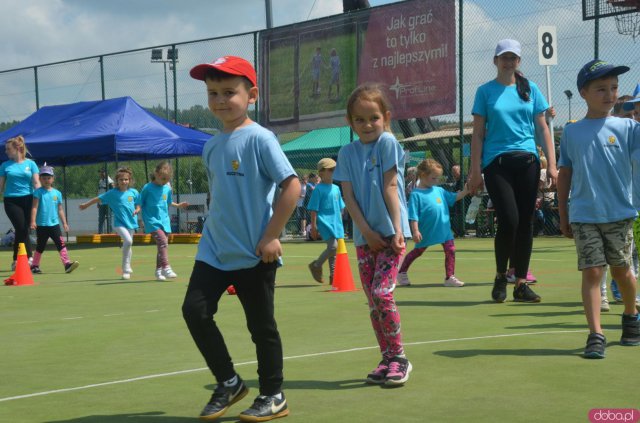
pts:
[523, 87]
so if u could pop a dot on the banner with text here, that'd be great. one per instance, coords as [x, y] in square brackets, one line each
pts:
[410, 50]
[308, 70]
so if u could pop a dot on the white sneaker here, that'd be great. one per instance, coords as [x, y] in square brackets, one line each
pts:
[129, 270]
[169, 273]
[403, 279]
[604, 304]
[452, 281]
[126, 275]
[159, 275]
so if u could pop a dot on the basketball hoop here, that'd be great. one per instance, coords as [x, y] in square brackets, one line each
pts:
[629, 23]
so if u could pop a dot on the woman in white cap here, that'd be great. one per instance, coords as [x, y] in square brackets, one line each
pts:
[508, 116]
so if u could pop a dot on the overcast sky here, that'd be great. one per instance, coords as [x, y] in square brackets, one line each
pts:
[35, 32]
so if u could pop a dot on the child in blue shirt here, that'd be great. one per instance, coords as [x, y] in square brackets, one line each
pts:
[121, 200]
[46, 214]
[430, 221]
[372, 173]
[601, 214]
[326, 206]
[154, 202]
[240, 242]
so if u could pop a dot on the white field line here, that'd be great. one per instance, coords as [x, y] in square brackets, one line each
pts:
[180, 372]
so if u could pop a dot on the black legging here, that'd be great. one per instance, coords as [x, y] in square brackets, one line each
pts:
[18, 211]
[512, 182]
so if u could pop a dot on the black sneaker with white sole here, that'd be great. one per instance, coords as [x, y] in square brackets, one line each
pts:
[223, 397]
[265, 408]
[71, 266]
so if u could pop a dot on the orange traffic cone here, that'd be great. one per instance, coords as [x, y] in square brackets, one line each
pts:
[342, 276]
[22, 275]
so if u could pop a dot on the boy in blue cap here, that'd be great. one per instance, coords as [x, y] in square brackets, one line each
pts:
[239, 243]
[600, 217]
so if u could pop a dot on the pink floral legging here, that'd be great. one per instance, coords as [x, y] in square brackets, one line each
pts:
[449, 258]
[378, 272]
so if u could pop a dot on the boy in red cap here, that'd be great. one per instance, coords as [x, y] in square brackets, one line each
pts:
[239, 242]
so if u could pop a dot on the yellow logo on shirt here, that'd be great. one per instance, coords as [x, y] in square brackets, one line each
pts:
[164, 197]
[55, 198]
[612, 139]
[130, 198]
[235, 164]
[438, 200]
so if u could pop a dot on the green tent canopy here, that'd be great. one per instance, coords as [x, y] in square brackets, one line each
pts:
[305, 151]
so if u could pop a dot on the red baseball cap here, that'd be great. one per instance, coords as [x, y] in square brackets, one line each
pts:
[228, 64]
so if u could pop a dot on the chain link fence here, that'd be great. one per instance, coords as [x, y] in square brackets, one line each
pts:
[158, 78]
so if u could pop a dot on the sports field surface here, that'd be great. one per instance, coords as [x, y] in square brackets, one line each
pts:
[88, 347]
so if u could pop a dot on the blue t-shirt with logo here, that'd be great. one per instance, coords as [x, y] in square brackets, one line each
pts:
[599, 153]
[154, 204]
[244, 167]
[122, 204]
[327, 202]
[430, 208]
[18, 177]
[509, 119]
[364, 165]
[49, 200]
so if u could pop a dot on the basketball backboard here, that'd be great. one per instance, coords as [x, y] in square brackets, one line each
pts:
[592, 9]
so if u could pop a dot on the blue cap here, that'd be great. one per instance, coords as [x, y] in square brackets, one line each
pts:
[508, 46]
[630, 105]
[597, 69]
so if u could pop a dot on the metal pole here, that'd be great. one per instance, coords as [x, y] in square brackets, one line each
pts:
[596, 34]
[550, 123]
[461, 221]
[35, 75]
[166, 91]
[101, 60]
[268, 13]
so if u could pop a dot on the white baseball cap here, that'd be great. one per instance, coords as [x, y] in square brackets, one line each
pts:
[508, 46]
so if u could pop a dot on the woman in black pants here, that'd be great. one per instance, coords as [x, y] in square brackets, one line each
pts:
[508, 116]
[18, 179]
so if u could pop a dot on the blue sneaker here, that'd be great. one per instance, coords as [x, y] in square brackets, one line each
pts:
[630, 330]
[617, 297]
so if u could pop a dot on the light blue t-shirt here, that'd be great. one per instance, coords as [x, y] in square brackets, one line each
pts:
[364, 165]
[18, 177]
[509, 119]
[154, 201]
[327, 202]
[122, 204]
[599, 152]
[243, 167]
[430, 208]
[48, 203]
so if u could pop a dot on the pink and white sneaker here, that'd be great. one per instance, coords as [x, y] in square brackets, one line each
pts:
[511, 277]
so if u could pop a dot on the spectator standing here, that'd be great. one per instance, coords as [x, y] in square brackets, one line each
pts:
[105, 183]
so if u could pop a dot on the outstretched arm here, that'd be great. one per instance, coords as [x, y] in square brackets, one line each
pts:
[95, 200]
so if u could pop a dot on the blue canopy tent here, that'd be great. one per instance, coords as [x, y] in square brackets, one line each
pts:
[117, 129]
